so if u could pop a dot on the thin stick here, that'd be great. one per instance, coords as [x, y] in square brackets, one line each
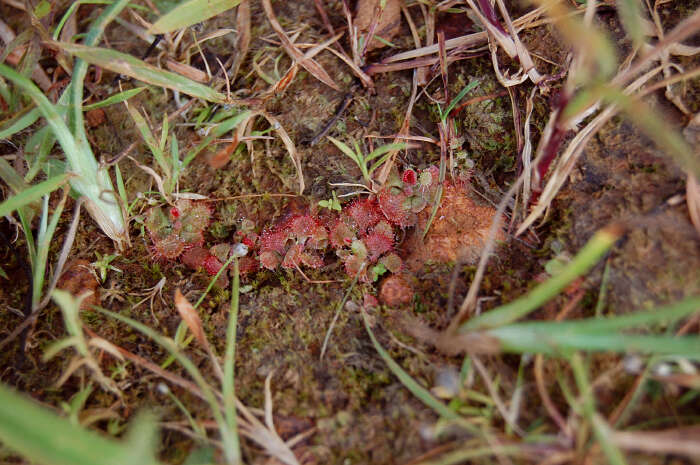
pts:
[337, 311]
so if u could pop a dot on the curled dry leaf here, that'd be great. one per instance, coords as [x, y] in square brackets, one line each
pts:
[78, 279]
[190, 316]
[386, 26]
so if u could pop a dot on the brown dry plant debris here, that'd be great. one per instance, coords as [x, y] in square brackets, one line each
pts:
[386, 24]
[458, 232]
[79, 279]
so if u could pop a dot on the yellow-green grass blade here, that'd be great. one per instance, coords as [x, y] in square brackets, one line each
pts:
[561, 342]
[412, 385]
[45, 438]
[21, 121]
[591, 253]
[189, 13]
[228, 385]
[94, 184]
[32, 194]
[128, 65]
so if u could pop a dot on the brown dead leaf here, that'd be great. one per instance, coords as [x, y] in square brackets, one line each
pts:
[95, 118]
[190, 316]
[223, 156]
[78, 279]
[371, 20]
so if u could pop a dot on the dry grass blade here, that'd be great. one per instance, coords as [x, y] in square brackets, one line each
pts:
[403, 132]
[681, 441]
[243, 41]
[188, 71]
[289, 145]
[692, 194]
[309, 64]
[266, 437]
[571, 154]
[469, 40]
[692, 186]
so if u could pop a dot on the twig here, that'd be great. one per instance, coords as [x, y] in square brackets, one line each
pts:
[344, 104]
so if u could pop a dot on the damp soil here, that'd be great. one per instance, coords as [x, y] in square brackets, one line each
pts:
[358, 411]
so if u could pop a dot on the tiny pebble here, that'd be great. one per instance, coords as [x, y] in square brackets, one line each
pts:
[240, 250]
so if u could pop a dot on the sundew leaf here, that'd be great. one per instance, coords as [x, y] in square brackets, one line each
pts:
[189, 13]
[128, 65]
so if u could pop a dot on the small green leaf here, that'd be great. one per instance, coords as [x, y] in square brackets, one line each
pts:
[378, 270]
[42, 9]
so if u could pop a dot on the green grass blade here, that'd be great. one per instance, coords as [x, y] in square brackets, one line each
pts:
[189, 13]
[11, 178]
[379, 151]
[128, 65]
[347, 151]
[19, 122]
[32, 194]
[412, 385]
[150, 140]
[93, 184]
[601, 429]
[519, 339]
[43, 245]
[170, 345]
[466, 454]
[116, 98]
[459, 98]
[64, 136]
[80, 69]
[228, 385]
[630, 13]
[662, 315]
[43, 437]
[591, 253]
